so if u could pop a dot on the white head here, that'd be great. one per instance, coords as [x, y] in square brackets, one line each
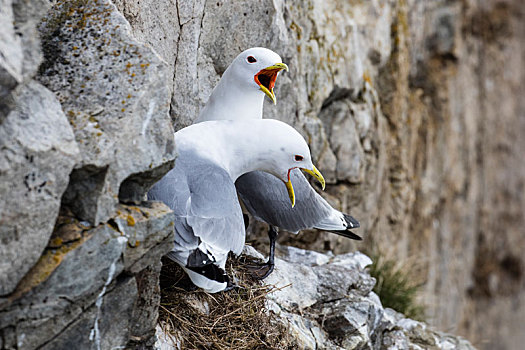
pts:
[239, 95]
[242, 146]
[284, 149]
[256, 69]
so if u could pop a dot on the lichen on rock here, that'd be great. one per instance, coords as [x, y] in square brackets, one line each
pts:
[114, 91]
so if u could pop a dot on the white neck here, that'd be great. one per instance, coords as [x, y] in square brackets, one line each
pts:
[230, 101]
[238, 150]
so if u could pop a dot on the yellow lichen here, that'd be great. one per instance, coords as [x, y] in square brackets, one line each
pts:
[56, 242]
[130, 220]
[367, 78]
[41, 271]
[134, 244]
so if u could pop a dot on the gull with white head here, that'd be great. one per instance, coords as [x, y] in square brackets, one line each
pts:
[201, 192]
[239, 95]
[241, 90]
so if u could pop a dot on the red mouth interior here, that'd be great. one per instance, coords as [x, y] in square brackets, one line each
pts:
[289, 172]
[266, 78]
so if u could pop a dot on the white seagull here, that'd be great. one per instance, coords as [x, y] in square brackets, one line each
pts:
[200, 188]
[239, 95]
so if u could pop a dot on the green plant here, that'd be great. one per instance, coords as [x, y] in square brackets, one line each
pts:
[396, 287]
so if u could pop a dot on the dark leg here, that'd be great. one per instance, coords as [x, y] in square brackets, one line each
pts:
[272, 234]
[264, 270]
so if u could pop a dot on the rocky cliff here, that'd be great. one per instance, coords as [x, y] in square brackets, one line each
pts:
[412, 108]
[84, 128]
[311, 301]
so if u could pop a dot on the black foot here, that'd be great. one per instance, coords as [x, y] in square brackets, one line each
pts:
[260, 271]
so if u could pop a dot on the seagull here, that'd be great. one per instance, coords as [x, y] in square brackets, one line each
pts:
[239, 95]
[200, 189]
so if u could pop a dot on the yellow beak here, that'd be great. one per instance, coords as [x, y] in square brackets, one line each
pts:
[315, 173]
[271, 76]
[291, 193]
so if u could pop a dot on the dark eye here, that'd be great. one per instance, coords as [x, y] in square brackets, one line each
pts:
[251, 59]
[298, 158]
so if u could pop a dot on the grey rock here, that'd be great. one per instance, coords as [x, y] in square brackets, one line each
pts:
[336, 310]
[300, 330]
[94, 297]
[298, 283]
[301, 256]
[155, 23]
[343, 136]
[111, 319]
[336, 281]
[11, 56]
[148, 238]
[343, 312]
[37, 153]
[20, 53]
[115, 93]
[27, 15]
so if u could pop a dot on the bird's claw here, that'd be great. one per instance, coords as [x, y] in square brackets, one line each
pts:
[260, 271]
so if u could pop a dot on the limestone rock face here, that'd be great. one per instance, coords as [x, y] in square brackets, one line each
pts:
[412, 109]
[38, 151]
[85, 292]
[102, 136]
[20, 53]
[114, 91]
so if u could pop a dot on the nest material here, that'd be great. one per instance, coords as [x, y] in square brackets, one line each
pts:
[237, 319]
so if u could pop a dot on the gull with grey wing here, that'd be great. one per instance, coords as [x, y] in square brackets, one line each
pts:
[239, 95]
[201, 192]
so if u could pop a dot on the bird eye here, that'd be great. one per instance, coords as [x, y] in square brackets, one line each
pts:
[298, 158]
[251, 59]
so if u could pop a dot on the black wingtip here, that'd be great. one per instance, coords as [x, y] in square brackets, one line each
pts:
[347, 234]
[211, 271]
[351, 221]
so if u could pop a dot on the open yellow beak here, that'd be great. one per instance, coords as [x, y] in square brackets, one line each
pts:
[266, 79]
[315, 173]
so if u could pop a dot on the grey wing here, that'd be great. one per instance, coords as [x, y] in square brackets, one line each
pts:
[207, 211]
[173, 190]
[266, 197]
[215, 214]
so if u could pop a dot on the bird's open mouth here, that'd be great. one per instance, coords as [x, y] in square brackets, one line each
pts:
[266, 79]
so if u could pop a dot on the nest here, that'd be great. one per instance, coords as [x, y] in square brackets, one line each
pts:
[237, 319]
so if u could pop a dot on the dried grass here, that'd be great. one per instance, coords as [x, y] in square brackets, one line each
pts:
[237, 319]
